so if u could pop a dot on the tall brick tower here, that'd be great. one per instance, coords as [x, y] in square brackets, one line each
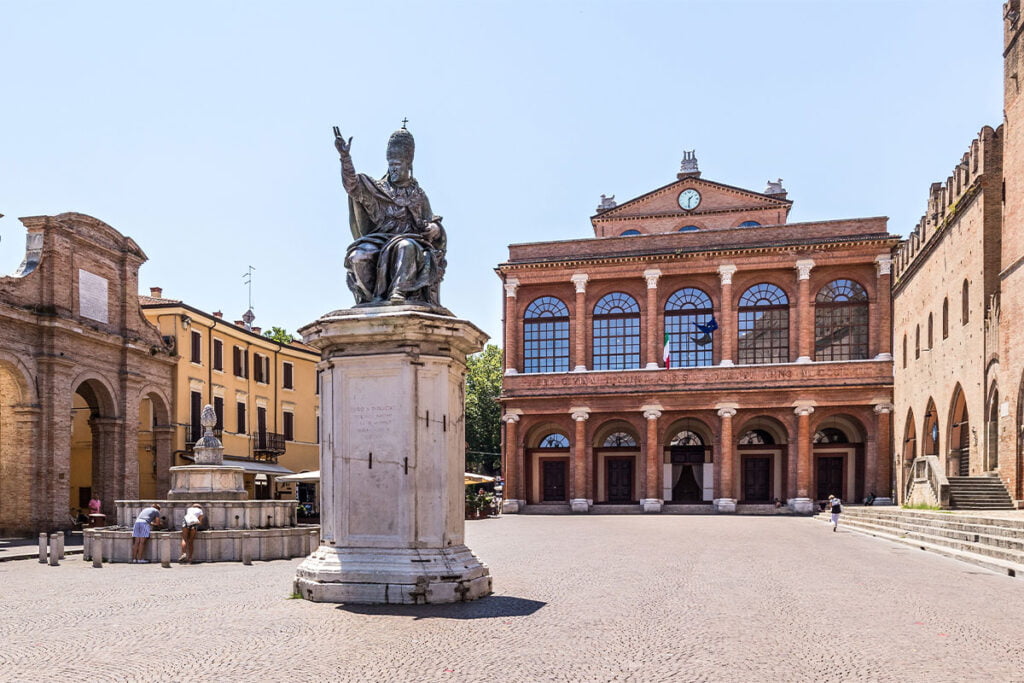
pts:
[1008, 405]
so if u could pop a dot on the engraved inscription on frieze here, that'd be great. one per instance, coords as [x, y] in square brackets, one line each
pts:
[92, 296]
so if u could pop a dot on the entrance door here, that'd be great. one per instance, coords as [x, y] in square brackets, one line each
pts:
[757, 479]
[553, 481]
[620, 480]
[687, 490]
[830, 477]
[965, 450]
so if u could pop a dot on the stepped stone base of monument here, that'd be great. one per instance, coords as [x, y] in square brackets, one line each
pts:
[392, 576]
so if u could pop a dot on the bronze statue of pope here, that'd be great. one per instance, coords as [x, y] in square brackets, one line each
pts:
[398, 256]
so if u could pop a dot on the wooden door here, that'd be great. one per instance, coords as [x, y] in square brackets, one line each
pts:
[757, 475]
[687, 490]
[553, 481]
[830, 477]
[619, 473]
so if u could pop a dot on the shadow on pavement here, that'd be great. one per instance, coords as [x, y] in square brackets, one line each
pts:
[491, 607]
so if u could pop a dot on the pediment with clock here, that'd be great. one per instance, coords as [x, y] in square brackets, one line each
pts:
[692, 203]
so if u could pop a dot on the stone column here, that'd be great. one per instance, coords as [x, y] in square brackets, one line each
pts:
[651, 484]
[804, 312]
[728, 316]
[882, 479]
[802, 503]
[578, 464]
[512, 327]
[20, 477]
[881, 322]
[655, 342]
[579, 346]
[107, 479]
[163, 445]
[513, 466]
[725, 485]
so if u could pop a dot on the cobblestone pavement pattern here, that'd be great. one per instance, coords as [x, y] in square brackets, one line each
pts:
[610, 598]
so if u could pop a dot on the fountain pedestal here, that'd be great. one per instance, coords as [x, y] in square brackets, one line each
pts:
[392, 459]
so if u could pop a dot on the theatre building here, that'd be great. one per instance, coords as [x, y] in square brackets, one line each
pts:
[698, 353]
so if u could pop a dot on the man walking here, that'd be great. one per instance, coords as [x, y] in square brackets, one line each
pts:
[836, 506]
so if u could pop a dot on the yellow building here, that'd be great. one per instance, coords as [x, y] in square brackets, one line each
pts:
[264, 393]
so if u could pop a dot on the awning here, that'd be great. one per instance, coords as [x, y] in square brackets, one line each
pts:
[252, 465]
[302, 477]
[472, 478]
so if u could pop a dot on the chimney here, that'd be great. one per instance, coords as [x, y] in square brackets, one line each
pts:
[688, 166]
[240, 323]
[156, 292]
[218, 314]
[256, 330]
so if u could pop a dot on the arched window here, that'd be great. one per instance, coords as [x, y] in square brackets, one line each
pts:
[619, 440]
[616, 333]
[841, 322]
[750, 224]
[917, 342]
[945, 317]
[546, 336]
[630, 233]
[930, 333]
[756, 437]
[965, 303]
[764, 325]
[686, 438]
[686, 313]
[689, 228]
[554, 440]
[830, 435]
[904, 350]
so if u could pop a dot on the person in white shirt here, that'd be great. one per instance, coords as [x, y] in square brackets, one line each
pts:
[836, 507]
[189, 527]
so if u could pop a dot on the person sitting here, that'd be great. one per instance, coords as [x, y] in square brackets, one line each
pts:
[870, 500]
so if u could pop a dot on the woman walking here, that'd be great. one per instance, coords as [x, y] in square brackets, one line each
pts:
[836, 506]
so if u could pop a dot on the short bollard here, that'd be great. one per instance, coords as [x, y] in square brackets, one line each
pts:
[314, 541]
[42, 548]
[96, 546]
[247, 549]
[86, 546]
[60, 546]
[54, 557]
[165, 552]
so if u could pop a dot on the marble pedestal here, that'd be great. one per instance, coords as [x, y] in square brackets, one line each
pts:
[802, 506]
[392, 458]
[220, 482]
[724, 505]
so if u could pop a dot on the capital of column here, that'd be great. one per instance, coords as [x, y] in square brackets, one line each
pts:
[512, 415]
[580, 280]
[727, 411]
[580, 414]
[884, 264]
[803, 408]
[803, 269]
[881, 408]
[652, 276]
[651, 412]
[725, 273]
[511, 285]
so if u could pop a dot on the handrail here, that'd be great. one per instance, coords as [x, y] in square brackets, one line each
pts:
[928, 469]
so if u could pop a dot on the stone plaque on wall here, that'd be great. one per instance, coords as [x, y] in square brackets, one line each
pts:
[92, 296]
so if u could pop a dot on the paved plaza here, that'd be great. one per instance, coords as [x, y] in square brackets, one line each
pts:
[596, 598]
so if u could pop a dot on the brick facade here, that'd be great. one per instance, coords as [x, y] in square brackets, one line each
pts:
[716, 430]
[70, 325]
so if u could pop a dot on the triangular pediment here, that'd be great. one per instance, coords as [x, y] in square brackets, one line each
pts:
[714, 198]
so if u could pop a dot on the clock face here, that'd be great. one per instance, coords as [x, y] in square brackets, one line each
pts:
[689, 199]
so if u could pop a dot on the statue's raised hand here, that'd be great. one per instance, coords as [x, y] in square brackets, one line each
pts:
[340, 144]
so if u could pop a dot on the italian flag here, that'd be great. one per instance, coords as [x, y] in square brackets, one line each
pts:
[667, 354]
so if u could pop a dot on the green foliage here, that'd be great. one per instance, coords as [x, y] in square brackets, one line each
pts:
[483, 412]
[278, 334]
[921, 506]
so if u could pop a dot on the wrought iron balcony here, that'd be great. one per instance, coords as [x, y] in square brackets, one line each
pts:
[267, 445]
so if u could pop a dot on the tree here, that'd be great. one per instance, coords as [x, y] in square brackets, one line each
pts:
[483, 412]
[278, 334]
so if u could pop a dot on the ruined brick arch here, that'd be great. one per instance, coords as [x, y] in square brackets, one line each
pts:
[19, 427]
[161, 404]
[766, 423]
[20, 377]
[98, 391]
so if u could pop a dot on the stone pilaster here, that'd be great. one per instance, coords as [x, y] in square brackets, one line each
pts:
[651, 481]
[802, 503]
[163, 446]
[579, 346]
[578, 464]
[512, 327]
[804, 312]
[726, 482]
[727, 342]
[881, 322]
[513, 465]
[655, 341]
[882, 478]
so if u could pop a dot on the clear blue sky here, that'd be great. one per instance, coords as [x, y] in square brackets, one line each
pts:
[203, 130]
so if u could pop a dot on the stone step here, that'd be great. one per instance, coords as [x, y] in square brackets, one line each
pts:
[562, 509]
[975, 537]
[1008, 528]
[1008, 562]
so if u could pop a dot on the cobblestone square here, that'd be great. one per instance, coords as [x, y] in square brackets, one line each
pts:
[596, 598]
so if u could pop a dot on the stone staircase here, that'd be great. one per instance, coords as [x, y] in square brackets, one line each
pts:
[978, 493]
[991, 541]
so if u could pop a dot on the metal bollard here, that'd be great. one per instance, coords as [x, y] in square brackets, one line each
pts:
[165, 552]
[96, 546]
[247, 549]
[53, 549]
[42, 548]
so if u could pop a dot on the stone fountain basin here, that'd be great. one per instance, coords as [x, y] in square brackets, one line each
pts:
[217, 545]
